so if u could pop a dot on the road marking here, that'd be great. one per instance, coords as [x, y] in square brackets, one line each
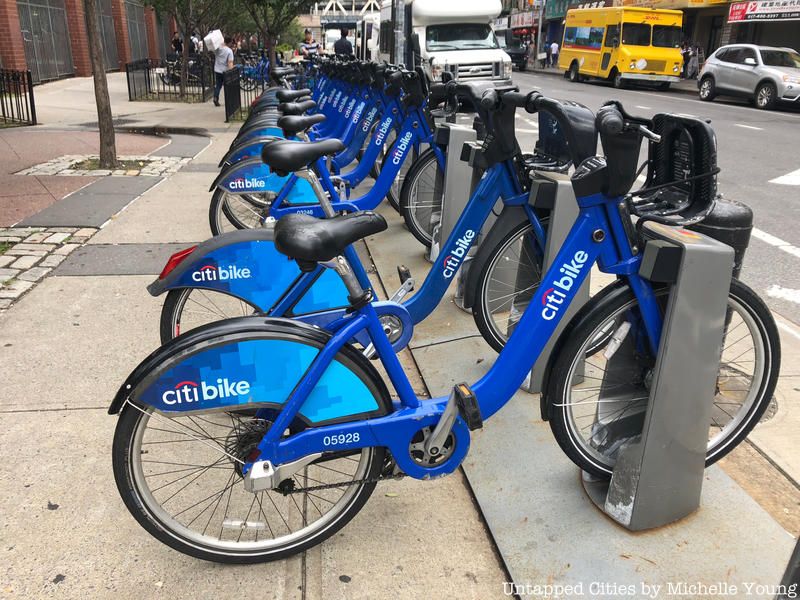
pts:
[776, 241]
[787, 328]
[642, 107]
[777, 291]
[688, 115]
[748, 127]
[641, 178]
[792, 178]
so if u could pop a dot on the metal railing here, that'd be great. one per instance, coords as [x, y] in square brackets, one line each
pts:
[160, 80]
[16, 98]
[240, 90]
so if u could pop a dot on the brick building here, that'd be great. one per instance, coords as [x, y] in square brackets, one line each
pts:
[49, 36]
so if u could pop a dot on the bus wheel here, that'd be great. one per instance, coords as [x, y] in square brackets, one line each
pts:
[574, 73]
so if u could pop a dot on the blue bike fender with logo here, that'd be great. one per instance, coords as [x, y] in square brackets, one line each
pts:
[250, 149]
[246, 265]
[253, 362]
[252, 176]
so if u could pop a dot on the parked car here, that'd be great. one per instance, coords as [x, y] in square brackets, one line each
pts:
[517, 53]
[764, 74]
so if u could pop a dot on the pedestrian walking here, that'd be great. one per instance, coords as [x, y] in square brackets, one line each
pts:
[177, 43]
[686, 53]
[223, 60]
[547, 51]
[554, 53]
[342, 45]
[309, 47]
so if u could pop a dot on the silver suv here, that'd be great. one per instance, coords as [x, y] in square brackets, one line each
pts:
[762, 73]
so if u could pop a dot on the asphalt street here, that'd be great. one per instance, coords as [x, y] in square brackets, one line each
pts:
[759, 157]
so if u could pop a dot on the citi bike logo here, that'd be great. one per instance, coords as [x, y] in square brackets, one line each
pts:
[349, 110]
[336, 99]
[248, 183]
[359, 112]
[368, 121]
[402, 146]
[382, 131]
[187, 392]
[554, 297]
[454, 259]
[212, 273]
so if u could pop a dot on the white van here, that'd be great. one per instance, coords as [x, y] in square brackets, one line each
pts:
[449, 35]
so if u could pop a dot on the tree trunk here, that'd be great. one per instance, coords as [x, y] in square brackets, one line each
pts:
[105, 120]
[185, 63]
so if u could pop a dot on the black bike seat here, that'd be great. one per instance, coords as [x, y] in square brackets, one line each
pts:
[281, 71]
[287, 156]
[296, 108]
[290, 95]
[292, 125]
[308, 239]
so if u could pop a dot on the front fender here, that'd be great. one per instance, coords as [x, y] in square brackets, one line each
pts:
[253, 362]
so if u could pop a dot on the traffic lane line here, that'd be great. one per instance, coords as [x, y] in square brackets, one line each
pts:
[776, 242]
[792, 178]
[748, 127]
[789, 294]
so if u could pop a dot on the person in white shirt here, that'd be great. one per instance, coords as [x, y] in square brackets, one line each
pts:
[223, 60]
[554, 53]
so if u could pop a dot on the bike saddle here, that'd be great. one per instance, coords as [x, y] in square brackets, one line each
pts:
[307, 239]
[281, 71]
[296, 108]
[291, 95]
[287, 156]
[292, 125]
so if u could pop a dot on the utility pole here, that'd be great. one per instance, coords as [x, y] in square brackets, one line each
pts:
[538, 43]
[400, 32]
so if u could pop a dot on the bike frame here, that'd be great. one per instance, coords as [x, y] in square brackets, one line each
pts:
[582, 248]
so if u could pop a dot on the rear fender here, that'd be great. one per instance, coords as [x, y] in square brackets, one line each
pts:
[252, 176]
[253, 362]
[246, 265]
[248, 148]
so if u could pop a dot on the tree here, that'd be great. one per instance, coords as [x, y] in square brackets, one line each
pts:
[275, 17]
[105, 120]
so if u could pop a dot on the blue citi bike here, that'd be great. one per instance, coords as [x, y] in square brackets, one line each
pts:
[254, 438]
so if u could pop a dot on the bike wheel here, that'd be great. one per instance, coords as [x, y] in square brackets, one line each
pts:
[590, 397]
[229, 212]
[181, 479]
[506, 284]
[187, 308]
[421, 197]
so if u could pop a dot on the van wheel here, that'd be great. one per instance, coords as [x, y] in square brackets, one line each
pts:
[707, 92]
[663, 87]
[766, 96]
[574, 72]
[617, 80]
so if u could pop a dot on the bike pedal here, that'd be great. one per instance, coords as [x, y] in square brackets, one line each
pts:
[404, 273]
[468, 406]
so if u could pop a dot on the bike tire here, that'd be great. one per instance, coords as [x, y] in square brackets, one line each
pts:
[744, 305]
[216, 305]
[223, 217]
[492, 274]
[140, 501]
[418, 218]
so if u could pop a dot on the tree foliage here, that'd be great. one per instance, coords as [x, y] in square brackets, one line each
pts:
[275, 18]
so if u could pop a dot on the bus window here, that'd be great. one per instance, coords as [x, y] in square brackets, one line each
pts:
[667, 36]
[636, 34]
[612, 33]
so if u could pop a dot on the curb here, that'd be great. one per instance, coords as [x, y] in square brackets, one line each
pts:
[553, 73]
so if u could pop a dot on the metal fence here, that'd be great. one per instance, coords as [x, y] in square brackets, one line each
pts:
[160, 80]
[240, 90]
[16, 98]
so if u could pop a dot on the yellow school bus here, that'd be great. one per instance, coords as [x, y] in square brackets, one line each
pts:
[623, 45]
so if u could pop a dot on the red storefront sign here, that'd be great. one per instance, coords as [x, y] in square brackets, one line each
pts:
[764, 10]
